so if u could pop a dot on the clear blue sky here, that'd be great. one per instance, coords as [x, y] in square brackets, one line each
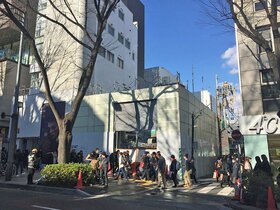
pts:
[178, 35]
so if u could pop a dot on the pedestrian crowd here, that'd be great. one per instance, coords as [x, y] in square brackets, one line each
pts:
[230, 168]
[151, 167]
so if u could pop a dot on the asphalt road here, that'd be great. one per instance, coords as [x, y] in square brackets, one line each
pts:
[15, 199]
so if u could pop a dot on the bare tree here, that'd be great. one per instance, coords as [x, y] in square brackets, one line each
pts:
[248, 23]
[66, 11]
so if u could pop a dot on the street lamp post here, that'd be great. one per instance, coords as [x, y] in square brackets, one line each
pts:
[14, 115]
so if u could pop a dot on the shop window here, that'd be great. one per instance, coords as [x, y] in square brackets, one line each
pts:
[145, 139]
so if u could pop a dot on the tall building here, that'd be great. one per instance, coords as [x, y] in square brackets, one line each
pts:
[117, 64]
[9, 53]
[138, 10]
[207, 99]
[116, 67]
[157, 76]
[260, 94]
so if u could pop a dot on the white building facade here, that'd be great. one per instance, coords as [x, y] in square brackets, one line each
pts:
[152, 119]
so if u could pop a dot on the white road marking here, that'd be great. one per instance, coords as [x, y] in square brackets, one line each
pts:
[226, 191]
[44, 207]
[207, 189]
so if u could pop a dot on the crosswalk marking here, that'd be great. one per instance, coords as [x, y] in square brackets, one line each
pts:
[208, 188]
[225, 191]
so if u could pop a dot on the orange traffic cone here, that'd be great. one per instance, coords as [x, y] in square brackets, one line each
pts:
[271, 205]
[80, 181]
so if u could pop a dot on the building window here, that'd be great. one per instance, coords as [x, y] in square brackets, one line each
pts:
[35, 80]
[120, 63]
[267, 76]
[120, 38]
[270, 92]
[39, 47]
[133, 56]
[40, 27]
[259, 6]
[266, 34]
[121, 15]
[127, 43]
[110, 56]
[42, 4]
[102, 51]
[111, 30]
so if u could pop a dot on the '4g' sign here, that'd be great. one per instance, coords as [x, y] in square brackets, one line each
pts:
[269, 124]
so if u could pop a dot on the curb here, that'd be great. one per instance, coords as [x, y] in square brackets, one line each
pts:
[236, 205]
[45, 189]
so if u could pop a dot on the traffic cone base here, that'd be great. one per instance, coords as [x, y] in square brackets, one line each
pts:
[80, 181]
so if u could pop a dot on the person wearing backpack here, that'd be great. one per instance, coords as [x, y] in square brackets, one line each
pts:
[173, 170]
[187, 174]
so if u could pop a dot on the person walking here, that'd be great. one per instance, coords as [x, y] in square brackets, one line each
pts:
[187, 174]
[161, 166]
[173, 170]
[32, 159]
[146, 167]
[235, 170]
[193, 171]
[17, 159]
[122, 163]
[103, 167]
[153, 163]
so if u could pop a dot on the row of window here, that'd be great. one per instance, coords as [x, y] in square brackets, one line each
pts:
[121, 39]
[260, 6]
[111, 57]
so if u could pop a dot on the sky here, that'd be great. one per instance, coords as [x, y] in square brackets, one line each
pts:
[179, 36]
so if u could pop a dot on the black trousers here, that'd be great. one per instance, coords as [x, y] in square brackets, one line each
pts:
[174, 178]
[30, 175]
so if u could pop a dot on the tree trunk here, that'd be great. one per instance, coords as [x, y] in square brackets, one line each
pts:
[64, 143]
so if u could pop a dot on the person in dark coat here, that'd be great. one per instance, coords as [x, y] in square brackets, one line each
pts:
[173, 171]
[258, 166]
[103, 167]
[265, 166]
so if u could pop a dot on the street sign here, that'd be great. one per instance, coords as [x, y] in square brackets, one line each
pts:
[236, 134]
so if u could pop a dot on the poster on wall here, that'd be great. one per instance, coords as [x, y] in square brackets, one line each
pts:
[49, 128]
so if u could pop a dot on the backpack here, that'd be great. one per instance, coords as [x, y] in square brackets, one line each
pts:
[178, 165]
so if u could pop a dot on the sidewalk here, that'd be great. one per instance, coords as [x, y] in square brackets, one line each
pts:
[116, 187]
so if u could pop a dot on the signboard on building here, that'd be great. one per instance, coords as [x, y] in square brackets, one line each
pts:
[259, 124]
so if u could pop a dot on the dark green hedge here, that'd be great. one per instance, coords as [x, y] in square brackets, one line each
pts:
[66, 175]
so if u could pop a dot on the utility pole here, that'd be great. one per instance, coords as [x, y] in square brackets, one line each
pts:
[192, 134]
[225, 93]
[14, 114]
